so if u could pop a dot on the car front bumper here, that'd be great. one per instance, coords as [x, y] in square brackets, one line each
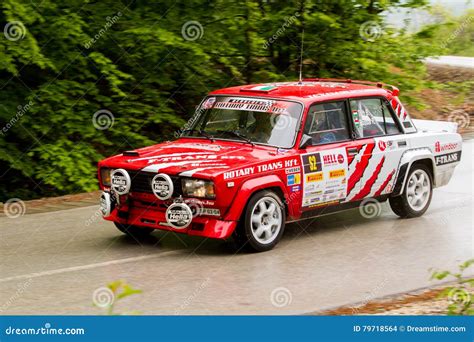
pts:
[150, 217]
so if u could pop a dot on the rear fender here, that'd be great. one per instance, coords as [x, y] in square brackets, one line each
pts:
[250, 187]
[407, 160]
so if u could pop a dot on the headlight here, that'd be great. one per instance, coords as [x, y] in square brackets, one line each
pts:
[198, 188]
[105, 176]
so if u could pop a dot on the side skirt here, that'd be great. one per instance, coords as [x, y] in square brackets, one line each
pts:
[335, 208]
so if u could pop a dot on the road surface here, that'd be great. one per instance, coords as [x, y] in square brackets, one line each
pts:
[51, 263]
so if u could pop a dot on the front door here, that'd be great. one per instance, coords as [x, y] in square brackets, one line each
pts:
[325, 163]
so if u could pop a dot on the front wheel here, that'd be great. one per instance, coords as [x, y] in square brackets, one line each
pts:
[417, 194]
[263, 222]
[134, 231]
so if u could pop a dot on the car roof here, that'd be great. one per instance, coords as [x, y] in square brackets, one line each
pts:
[308, 91]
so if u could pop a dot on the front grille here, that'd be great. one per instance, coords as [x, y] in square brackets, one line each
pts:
[141, 182]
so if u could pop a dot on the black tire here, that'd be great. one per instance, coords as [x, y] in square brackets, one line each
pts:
[400, 204]
[245, 236]
[134, 231]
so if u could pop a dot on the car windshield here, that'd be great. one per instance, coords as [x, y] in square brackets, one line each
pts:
[251, 120]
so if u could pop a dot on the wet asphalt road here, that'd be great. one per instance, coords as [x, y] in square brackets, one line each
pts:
[51, 263]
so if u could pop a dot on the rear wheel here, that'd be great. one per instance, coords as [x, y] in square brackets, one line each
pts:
[134, 231]
[263, 222]
[417, 194]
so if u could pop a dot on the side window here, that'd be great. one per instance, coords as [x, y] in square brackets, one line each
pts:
[372, 118]
[326, 123]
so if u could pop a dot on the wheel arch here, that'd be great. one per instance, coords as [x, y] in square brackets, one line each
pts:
[252, 186]
[409, 159]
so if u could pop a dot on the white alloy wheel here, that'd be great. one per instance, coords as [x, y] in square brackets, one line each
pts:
[266, 220]
[418, 190]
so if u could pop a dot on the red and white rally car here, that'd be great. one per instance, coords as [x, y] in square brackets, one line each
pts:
[258, 156]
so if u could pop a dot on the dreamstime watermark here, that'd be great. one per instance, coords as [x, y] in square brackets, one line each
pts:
[461, 117]
[370, 208]
[103, 297]
[20, 290]
[196, 206]
[281, 297]
[458, 31]
[189, 299]
[374, 293]
[110, 21]
[14, 30]
[190, 123]
[103, 119]
[94, 217]
[287, 23]
[192, 30]
[280, 121]
[20, 112]
[47, 329]
[459, 296]
[14, 208]
[370, 31]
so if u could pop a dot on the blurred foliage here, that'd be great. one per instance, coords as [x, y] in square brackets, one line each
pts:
[460, 295]
[119, 290]
[130, 57]
[455, 34]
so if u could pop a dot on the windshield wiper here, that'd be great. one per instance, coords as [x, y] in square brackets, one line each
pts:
[201, 132]
[239, 135]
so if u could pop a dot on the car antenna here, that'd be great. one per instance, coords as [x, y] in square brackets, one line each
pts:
[301, 59]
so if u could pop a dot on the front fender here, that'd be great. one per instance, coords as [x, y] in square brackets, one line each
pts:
[407, 160]
[247, 189]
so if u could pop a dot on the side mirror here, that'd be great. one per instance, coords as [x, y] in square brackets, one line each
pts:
[306, 141]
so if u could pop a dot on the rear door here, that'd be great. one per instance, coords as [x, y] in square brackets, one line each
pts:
[374, 155]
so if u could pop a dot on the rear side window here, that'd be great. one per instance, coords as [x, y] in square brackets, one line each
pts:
[372, 118]
[327, 123]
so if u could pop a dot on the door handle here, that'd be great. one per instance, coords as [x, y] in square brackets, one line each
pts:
[352, 151]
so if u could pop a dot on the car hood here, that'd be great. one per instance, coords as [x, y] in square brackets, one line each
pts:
[192, 157]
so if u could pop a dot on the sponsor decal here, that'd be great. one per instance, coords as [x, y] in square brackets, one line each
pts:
[162, 186]
[120, 181]
[194, 158]
[445, 147]
[179, 215]
[296, 188]
[270, 167]
[324, 203]
[316, 177]
[293, 179]
[382, 145]
[333, 159]
[293, 170]
[236, 103]
[448, 158]
[239, 173]
[312, 162]
[386, 145]
[324, 172]
[337, 173]
[253, 169]
[210, 212]
[209, 103]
